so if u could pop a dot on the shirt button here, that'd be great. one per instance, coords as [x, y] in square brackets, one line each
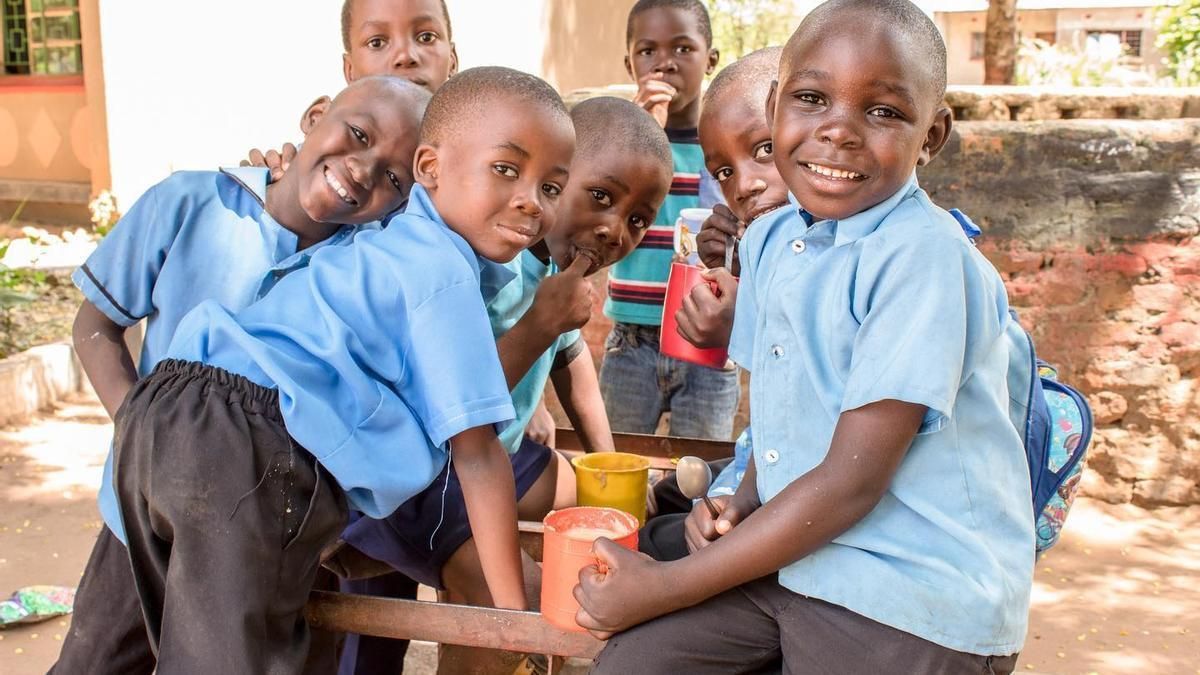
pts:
[777, 351]
[798, 246]
[771, 456]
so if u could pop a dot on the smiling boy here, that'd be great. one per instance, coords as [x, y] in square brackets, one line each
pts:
[227, 237]
[885, 517]
[238, 455]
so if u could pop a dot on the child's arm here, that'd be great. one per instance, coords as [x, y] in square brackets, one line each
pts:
[541, 425]
[104, 355]
[486, 475]
[563, 303]
[579, 392]
[705, 318]
[868, 444]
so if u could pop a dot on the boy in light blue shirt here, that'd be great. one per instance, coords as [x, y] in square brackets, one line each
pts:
[354, 382]
[196, 236]
[885, 515]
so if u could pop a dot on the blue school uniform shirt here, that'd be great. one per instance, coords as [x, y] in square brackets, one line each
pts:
[198, 235]
[894, 303]
[381, 352]
[505, 308]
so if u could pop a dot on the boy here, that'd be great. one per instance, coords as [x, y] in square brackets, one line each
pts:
[736, 140]
[669, 52]
[885, 516]
[619, 176]
[237, 456]
[411, 39]
[225, 237]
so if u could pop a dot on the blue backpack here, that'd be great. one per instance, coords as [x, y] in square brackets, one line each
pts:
[1056, 426]
[1054, 420]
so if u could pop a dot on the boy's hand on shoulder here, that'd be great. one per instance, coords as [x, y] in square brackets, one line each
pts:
[276, 162]
[701, 529]
[714, 238]
[564, 301]
[629, 590]
[655, 96]
[705, 318]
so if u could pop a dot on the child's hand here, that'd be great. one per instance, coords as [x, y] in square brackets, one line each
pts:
[564, 301]
[628, 592]
[655, 96]
[541, 427]
[700, 529]
[714, 238]
[276, 162]
[705, 318]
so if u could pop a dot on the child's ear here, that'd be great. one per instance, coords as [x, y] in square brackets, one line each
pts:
[714, 57]
[629, 68]
[936, 137]
[425, 167]
[316, 110]
[347, 68]
[770, 109]
[453, 60]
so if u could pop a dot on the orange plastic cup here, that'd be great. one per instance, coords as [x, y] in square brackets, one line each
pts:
[567, 548]
[682, 280]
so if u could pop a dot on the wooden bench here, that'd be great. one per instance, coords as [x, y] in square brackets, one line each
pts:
[508, 630]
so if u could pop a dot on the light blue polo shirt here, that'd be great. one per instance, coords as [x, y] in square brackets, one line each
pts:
[198, 235]
[894, 303]
[507, 307]
[381, 352]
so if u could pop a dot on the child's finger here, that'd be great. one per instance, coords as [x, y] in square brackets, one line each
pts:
[579, 266]
[287, 155]
[727, 284]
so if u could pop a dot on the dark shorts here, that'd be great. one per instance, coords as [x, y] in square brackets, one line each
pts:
[425, 531]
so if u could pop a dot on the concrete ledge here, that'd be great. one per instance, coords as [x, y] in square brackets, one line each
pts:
[36, 379]
[44, 191]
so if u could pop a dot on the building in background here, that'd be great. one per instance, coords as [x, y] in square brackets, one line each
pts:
[1082, 24]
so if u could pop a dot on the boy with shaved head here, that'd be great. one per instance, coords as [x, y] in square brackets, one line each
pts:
[225, 237]
[238, 455]
[885, 518]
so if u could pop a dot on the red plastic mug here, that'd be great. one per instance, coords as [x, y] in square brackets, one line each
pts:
[682, 280]
[567, 548]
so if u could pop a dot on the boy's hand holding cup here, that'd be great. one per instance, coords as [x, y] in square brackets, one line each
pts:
[564, 301]
[718, 231]
[655, 95]
[706, 317]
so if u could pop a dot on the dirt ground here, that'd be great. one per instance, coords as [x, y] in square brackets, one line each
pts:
[1120, 594]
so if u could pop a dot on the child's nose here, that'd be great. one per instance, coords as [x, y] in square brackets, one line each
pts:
[404, 56]
[840, 131]
[527, 202]
[750, 186]
[609, 232]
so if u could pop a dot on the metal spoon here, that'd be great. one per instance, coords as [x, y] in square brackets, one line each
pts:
[694, 477]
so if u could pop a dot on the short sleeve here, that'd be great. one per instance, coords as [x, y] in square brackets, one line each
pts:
[454, 380]
[745, 315]
[567, 340]
[119, 277]
[927, 309]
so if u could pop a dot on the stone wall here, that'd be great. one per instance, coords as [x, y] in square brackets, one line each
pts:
[1094, 225]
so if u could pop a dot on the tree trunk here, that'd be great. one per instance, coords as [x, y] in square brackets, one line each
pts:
[1000, 42]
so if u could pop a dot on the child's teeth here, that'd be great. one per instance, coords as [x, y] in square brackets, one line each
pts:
[337, 187]
[833, 173]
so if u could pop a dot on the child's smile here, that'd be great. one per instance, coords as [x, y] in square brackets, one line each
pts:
[851, 125]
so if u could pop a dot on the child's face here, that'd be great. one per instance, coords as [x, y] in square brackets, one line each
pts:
[668, 40]
[405, 38]
[356, 163]
[497, 180]
[851, 123]
[610, 201]
[738, 153]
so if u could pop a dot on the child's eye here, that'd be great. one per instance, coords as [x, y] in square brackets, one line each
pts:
[396, 182]
[505, 170]
[427, 37]
[884, 112]
[376, 43]
[683, 49]
[723, 174]
[551, 189]
[639, 223]
[645, 51]
[602, 197]
[809, 97]
[762, 150]
[358, 133]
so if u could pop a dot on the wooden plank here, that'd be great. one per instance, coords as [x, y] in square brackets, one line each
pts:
[661, 447]
[446, 623]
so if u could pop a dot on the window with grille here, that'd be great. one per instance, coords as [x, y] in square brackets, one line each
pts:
[977, 41]
[41, 37]
[1131, 40]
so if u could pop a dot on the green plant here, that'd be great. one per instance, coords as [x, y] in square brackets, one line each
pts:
[742, 26]
[1179, 38]
[104, 212]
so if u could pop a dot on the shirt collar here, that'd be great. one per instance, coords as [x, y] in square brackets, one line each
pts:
[859, 225]
[492, 275]
[252, 178]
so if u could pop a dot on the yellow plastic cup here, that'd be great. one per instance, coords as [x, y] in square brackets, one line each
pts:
[617, 480]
